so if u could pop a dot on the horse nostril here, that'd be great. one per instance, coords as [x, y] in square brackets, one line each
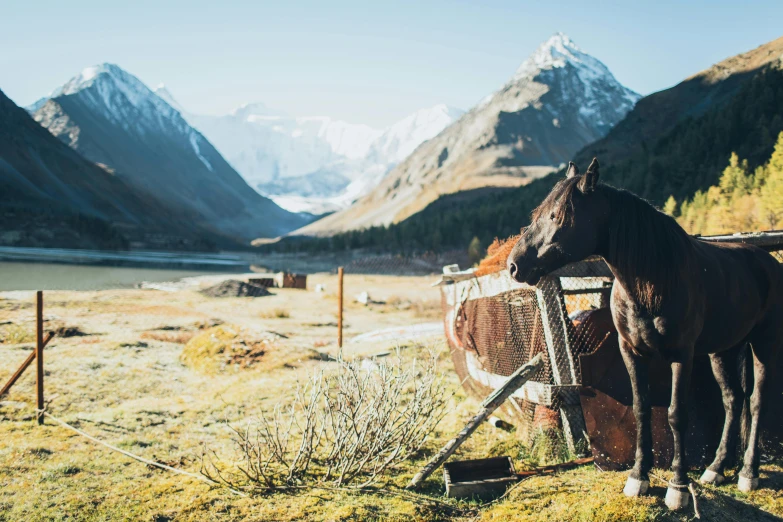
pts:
[512, 268]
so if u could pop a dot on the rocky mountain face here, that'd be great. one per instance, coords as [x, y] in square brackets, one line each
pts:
[678, 140]
[51, 196]
[559, 100]
[312, 164]
[113, 119]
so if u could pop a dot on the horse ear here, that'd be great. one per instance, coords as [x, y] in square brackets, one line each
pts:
[590, 179]
[572, 170]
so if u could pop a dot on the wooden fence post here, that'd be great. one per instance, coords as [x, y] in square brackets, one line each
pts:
[39, 356]
[340, 272]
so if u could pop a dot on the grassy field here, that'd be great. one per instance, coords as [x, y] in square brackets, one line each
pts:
[123, 380]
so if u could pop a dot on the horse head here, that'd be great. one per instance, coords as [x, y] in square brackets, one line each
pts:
[566, 227]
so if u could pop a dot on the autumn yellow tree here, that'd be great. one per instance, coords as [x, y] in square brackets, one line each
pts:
[741, 201]
[771, 192]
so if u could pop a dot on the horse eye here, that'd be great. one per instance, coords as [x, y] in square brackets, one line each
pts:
[552, 217]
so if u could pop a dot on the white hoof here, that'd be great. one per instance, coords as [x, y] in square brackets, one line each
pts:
[711, 477]
[677, 497]
[746, 485]
[635, 487]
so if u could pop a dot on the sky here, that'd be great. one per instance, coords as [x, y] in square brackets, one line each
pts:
[366, 62]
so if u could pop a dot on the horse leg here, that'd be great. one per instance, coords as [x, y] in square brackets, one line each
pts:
[726, 374]
[639, 480]
[677, 492]
[763, 346]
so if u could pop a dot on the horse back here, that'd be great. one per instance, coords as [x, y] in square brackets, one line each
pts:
[742, 284]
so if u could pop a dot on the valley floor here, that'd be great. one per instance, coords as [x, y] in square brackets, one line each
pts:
[124, 383]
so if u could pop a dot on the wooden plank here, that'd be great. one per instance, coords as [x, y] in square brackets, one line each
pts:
[39, 355]
[772, 239]
[557, 329]
[556, 325]
[490, 404]
[340, 274]
[23, 367]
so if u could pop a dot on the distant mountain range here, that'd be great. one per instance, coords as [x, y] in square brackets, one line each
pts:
[111, 118]
[673, 142]
[312, 164]
[559, 100]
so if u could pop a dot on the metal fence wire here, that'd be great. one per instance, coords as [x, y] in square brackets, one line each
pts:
[494, 325]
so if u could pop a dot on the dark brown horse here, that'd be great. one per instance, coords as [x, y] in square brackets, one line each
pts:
[673, 297]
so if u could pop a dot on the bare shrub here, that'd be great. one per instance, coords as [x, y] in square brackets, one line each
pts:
[275, 313]
[344, 427]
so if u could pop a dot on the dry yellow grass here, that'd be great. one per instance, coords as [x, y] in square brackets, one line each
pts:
[145, 400]
[16, 334]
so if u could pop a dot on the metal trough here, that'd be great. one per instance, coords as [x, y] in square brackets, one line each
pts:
[480, 478]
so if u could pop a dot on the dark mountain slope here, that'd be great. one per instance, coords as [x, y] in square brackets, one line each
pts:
[51, 196]
[677, 141]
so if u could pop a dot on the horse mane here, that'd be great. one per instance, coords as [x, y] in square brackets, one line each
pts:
[644, 244]
[647, 246]
[559, 202]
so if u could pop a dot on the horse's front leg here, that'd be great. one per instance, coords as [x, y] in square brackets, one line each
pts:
[639, 480]
[677, 492]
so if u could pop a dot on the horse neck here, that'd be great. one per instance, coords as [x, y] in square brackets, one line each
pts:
[644, 248]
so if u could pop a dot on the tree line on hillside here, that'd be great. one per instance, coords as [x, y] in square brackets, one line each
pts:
[687, 159]
[743, 200]
[691, 156]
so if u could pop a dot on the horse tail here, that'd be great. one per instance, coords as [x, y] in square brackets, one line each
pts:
[745, 362]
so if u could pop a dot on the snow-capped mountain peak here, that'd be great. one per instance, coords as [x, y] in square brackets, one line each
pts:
[126, 101]
[313, 163]
[166, 96]
[401, 139]
[558, 50]
[119, 92]
[257, 111]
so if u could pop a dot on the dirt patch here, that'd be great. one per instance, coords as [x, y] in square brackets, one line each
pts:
[234, 288]
[69, 331]
[225, 347]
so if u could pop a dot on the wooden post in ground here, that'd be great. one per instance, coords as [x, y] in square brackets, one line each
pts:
[39, 356]
[340, 272]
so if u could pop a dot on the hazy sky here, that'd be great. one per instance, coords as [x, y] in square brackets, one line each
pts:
[365, 62]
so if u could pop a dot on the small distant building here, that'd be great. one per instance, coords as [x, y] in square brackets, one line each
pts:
[280, 280]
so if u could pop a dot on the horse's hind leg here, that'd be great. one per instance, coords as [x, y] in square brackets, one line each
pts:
[728, 378]
[764, 343]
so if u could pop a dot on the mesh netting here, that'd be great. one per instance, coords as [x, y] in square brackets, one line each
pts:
[495, 325]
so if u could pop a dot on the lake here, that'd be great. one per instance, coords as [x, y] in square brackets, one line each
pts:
[52, 276]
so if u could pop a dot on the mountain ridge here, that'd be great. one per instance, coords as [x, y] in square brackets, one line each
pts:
[273, 151]
[112, 118]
